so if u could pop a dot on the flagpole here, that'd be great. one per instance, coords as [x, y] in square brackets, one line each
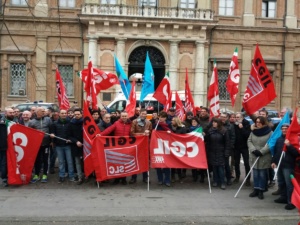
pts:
[246, 177]
[208, 178]
[58, 137]
[275, 175]
[148, 181]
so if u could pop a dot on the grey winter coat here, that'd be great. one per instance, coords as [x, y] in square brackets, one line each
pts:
[258, 141]
[43, 124]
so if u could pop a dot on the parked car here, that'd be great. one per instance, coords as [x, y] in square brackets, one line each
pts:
[27, 106]
[273, 116]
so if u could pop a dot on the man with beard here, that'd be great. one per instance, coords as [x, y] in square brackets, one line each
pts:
[4, 122]
[26, 115]
[136, 114]
[41, 123]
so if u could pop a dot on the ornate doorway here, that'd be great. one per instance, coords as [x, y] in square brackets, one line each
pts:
[137, 62]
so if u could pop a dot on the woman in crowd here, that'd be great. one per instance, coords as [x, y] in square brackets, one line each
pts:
[258, 149]
[218, 144]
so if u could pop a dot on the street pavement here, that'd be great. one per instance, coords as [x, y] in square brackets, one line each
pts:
[183, 203]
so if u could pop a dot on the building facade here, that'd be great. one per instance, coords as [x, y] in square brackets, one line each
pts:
[38, 36]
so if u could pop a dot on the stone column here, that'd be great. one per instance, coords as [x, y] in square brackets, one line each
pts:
[93, 50]
[41, 9]
[248, 16]
[120, 51]
[173, 64]
[200, 80]
[291, 19]
[41, 69]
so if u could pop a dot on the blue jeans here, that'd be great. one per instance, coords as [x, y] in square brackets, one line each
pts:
[284, 183]
[160, 172]
[64, 155]
[260, 178]
[3, 165]
[218, 175]
[79, 165]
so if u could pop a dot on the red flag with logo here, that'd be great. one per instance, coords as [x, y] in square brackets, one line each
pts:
[131, 102]
[23, 147]
[163, 93]
[102, 80]
[213, 93]
[90, 89]
[116, 157]
[189, 101]
[260, 89]
[62, 98]
[293, 132]
[90, 129]
[179, 108]
[233, 80]
[169, 150]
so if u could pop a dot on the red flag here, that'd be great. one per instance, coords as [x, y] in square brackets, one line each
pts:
[296, 193]
[131, 102]
[260, 89]
[179, 108]
[102, 80]
[116, 157]
[90, 89]
[90, 129]
[213, 93]
[62, 98]
[293, 132]
[163, 93]
[177, 150]
[23, 147]
[189, 101]
[233, 80]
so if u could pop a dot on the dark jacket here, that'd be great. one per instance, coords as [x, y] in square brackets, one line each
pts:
[75, 133]
[60, 129]
[204, 123]
[218, 146]
[102, 125]
[230, 129]
[3, 135]
[178, 130]
[289, 158]
[242, 135]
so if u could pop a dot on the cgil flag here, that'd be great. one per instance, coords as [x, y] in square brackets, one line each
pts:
[260, 89]
[148, 80]
[179, 108]
[91, 93]
[293, 132]
[232, 83]
[213, 93]
[62, 98]
[163, 93]
[123, 79]
[131, 102]
[189, 101]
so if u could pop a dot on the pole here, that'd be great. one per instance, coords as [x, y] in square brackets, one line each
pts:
[148, 180]
[247, 176]
[58, 137]
[275, 175]
[208, 178]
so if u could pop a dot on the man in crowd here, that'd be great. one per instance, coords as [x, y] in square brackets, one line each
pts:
[75, 135]
[105, 122]
[154, 119]
[136, 114]
[41, 123]
[242, 132]
[70, 114]
[141, 126]
[63, 148]
[26, 115]
[171, 114]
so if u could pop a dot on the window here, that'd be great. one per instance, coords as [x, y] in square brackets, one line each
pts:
[226, 7]
[147, 2]
[19, 2]
[108, 2]
[222, 76]
[17, 79]
[67, 3]
[189, 4]
[268, 9]
[66, 72]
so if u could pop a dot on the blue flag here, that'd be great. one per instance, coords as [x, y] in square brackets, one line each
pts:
[148, 81]
[123, 79]
[277, 132]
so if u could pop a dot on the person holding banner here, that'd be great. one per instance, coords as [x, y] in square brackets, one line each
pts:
[218, 148]
[286, 167]
[141, 126]
[258, 148]
[3, 150]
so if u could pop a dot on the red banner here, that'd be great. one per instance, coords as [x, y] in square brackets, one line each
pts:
[90, 129]
[189, 101]
[131, 102]
[62, 98]
[115, 157]
[23, 146]
[260, 89]
[169, 150]
[163, 93]
[213, 93]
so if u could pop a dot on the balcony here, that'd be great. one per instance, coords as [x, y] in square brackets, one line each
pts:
[147, 11]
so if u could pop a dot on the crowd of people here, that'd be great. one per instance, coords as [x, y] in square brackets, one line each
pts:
[227, 139]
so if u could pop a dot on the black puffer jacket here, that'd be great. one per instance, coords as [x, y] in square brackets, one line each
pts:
[242, 135]
[75, 133]
[60, 129]
[218, 146]
[289, 158]
[3, 135]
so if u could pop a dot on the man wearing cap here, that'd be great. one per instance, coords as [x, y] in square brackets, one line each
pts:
[286, 167]
[171, 115]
